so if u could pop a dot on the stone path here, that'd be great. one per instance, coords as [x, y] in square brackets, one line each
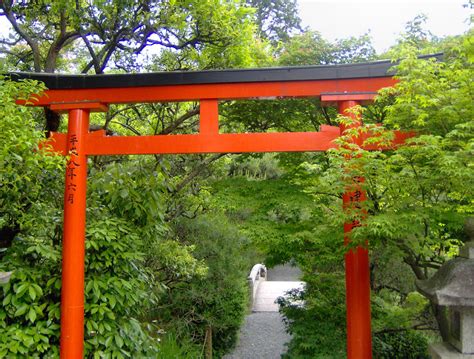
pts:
[263, 334]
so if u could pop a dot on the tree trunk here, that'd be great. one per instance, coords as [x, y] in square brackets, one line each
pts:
[208, 343]
[53, 120]
[439, 312]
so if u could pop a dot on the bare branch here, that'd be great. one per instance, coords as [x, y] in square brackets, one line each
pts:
[180, 120]
[29, 39]
[197, 171]
[95, 61]
[10, 43]
[128, 127]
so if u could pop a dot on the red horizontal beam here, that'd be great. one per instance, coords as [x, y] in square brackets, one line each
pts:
[218, 143]
[201, 143]
[212, 91]
[98, 144]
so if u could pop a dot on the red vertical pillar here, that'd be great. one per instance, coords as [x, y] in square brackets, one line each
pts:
[209, 117]
[359, 337]
[72, 291]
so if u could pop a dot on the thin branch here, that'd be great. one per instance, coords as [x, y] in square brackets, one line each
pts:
[31, 42]
[180, 120]
[10, 43]
[197, 171]
[128, 127]
[326, 116]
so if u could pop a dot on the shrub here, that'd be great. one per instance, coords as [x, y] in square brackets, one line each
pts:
[408, 344]
[218, 299]
[318, 327]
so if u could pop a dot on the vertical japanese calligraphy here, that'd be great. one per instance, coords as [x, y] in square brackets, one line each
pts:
[72, 165]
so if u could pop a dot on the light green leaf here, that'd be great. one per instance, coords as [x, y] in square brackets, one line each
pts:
[118, 340]
[32, 315]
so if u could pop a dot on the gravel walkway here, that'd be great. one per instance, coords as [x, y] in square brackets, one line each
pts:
[262, 336]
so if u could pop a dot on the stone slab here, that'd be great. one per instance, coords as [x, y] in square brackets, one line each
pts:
[446, 351]
[268, 292]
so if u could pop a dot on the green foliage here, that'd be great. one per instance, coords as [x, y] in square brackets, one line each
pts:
[117, 284]
[400, 345]
[192, 276]
[172, 347]
[30, 307]
[317, 327]
[129, 199]
[212, 35]
[434, 96]
[101, 34]
[25, 171]
[118, 289]
[420, 194]
[273, 213]
[417, 195]
[116, 293]
[284, 115]
[310, 48]
[416, 36]
[174, 262]
[132, 190]
[388, 315]
[264, 167]
[30, 302]
[218, 299]
[276, 20]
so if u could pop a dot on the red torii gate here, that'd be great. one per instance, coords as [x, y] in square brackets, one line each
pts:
[78, 95]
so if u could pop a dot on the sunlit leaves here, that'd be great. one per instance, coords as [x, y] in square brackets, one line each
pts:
[101, 35]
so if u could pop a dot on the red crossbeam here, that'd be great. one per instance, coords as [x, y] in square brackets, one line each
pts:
[97, 143]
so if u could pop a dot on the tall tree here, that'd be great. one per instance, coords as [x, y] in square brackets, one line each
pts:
[114, 33]
[79, 36]
[418, 195]
[277, 20]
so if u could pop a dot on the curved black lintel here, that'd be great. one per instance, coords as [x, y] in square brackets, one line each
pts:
[275, 74]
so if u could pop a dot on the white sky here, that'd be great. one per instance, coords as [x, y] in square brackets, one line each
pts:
[386, 19]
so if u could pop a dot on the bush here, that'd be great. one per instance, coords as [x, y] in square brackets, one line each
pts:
[171, 347]
[408, 344]
[317, 328]
[219, 298]
[29, 214]
[115, 294]
[117, 285]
